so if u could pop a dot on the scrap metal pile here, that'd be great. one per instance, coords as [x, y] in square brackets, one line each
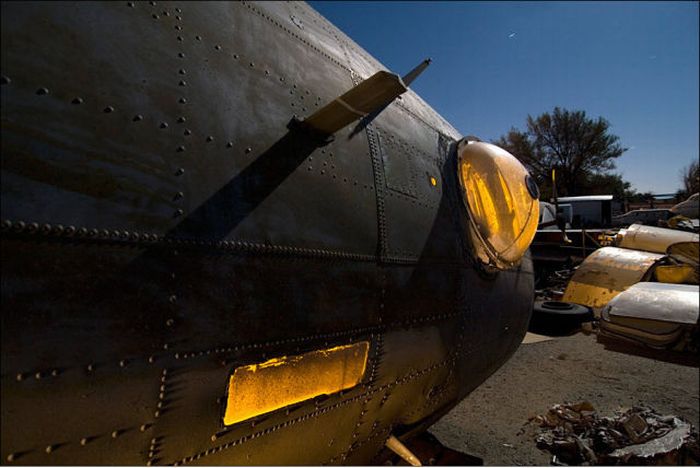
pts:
[641, 290]
[575, 435]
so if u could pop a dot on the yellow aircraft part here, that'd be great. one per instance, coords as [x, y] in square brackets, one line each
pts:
[261, 388]
[606, 273]
[677, 274]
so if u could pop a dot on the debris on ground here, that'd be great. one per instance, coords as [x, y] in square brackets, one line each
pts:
[553, 284]
[575, 435]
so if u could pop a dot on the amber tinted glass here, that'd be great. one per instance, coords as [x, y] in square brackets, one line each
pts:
[503, 212]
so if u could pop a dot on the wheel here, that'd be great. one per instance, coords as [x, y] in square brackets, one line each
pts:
[558, 317]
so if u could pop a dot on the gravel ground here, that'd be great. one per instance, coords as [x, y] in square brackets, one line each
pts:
[492, 422]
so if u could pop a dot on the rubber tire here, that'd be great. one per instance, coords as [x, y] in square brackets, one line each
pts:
[558, 317]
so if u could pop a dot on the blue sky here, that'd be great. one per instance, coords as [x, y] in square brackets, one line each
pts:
[633, 63]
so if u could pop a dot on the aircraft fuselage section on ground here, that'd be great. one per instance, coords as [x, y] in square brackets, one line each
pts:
[164, 225]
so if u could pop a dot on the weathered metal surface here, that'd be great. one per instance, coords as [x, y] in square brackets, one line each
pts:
[655, 314]
[162, 227]
[674, 303]
[652, 239]
[606, 273]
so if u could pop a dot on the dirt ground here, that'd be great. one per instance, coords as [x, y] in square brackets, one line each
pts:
[492, 422]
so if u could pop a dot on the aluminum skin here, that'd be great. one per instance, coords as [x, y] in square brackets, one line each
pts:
[606, 273]
[163, 224]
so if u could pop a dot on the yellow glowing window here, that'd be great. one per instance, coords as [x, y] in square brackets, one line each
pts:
[261, 388]
[502, 200]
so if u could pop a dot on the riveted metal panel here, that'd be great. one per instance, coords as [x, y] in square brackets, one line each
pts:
[421, 222]
[81, 417]
[268, 299]
[83, 120]
[168, 147]
[100, 303]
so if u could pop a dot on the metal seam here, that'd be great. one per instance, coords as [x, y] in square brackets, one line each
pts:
[139, 239]
[189, 354]
[296, 36]
[371, 385]
[375, 154]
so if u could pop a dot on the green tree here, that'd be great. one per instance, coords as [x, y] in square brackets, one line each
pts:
[690, 175]
[612, 184]
[577, 146]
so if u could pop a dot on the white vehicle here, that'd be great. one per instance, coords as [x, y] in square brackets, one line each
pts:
[548, 216]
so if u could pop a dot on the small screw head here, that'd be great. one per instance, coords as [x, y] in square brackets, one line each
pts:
[77, 100]
[42, 91]
[108, 109]
[138, 118]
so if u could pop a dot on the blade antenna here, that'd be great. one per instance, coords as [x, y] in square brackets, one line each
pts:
[413, 74]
